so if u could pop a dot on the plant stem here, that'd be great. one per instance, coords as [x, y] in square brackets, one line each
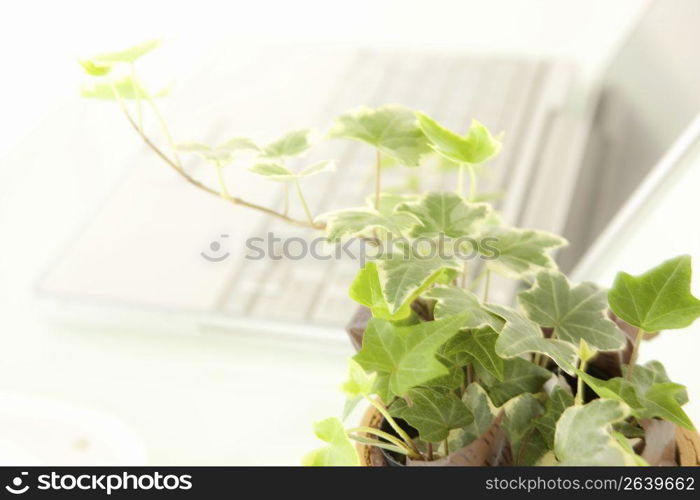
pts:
[378, 444]
[164, 128]
[380, 433]
[138, 97]
[430, 451]
[635, 353]
[303, 202]
[472, 182]
[447, 447]
[460, 180]
[537, 358]
[222, 182]
[470, 373]
[378, 181]
[487, 284]
[235, 200]
[380, 407]
[578, 400]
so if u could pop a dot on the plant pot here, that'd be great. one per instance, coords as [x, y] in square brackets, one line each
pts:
[605, 365]
[687, 446]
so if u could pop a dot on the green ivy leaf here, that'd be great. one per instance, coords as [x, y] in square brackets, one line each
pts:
[402, 277]
[520, 335]
[558, 401]
[404, 357]
[526, 442]
[367, 290]
[483, 412]
[455, 374]
[477, 346]
[624, 442]
[649, 394]
[433, 412]
[290, 144]
[451, 300]
[477, 146]
[391, 129]
[445, 213]
[518, 252]
[361, 221]
[659, 299]
[583, 436]
[339, 451]
[519, 376]
[575, 314]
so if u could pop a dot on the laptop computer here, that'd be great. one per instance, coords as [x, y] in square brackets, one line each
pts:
[139, 259]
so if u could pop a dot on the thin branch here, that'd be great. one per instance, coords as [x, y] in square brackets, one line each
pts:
[233, 199]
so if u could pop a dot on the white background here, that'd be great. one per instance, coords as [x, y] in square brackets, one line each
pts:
[104, 396]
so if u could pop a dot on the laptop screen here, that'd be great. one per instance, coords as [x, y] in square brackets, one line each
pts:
[648, 97]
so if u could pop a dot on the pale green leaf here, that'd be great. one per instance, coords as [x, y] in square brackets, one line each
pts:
[359, 383]
[405, 356]
[519, 376]
[404, 276]
[659, 299]
[221, 154]
[290, 144]
[477, 146]
[94, 69]
[238, 144]
[451, 300]
[361, 221]
[391, 129]
[520, 335]
[128, 55]
[583, 436]
[366, 290]
[339, 452]
[277, 171]
[526, 442]
[558, 401]
[445, 213]
[125, 88]
[476, 346]
[317, 168]
[433, 412]
[575, 314]
[272, 170]
[518, 252]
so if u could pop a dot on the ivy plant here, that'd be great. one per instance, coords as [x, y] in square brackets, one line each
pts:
[441, 363]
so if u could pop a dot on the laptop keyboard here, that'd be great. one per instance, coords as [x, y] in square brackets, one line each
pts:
[454, 89]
